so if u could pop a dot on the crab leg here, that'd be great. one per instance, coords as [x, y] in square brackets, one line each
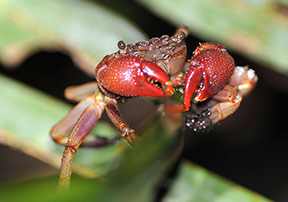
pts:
[244, 79]
[60, 130]
[241, 83]
[114, 114]
[83, 126]
[230, 101]
[77, 93]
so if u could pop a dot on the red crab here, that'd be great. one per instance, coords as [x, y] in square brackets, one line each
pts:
[151, 68]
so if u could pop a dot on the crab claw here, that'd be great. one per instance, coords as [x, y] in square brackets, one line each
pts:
[132, 76]
[192, 81]
[210, 69]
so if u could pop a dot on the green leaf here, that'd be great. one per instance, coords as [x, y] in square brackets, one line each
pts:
[26, 118]
[256, 29]
[83, 29]
[195, 184]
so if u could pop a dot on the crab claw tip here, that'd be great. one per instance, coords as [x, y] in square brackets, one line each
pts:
[169, 90]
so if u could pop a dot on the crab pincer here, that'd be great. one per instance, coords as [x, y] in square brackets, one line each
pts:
[132, 76]
[210, 70]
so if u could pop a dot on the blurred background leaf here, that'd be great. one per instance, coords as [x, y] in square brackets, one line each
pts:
[26, 120]
[82, 29]
[195, 183]
[256, 29]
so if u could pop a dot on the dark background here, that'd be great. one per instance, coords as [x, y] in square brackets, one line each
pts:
[249, 148]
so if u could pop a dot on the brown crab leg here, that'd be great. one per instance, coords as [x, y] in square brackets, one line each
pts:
[230, 101]
[80, 92]
[241, 83]
[60, 130]
[244, 79]
[79, 132]
[114, 114]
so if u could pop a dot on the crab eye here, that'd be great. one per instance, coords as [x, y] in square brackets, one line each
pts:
[181, 36]
[121, 45]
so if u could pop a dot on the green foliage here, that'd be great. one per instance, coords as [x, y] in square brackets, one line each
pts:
[197, 184]
[84, 30]
[256, 29]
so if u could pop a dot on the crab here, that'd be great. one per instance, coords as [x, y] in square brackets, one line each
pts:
[153, 68]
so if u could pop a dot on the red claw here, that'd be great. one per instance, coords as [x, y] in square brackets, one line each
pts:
[210, 69]
[132, 76]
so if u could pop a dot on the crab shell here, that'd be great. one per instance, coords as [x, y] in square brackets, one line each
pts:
[169, 53]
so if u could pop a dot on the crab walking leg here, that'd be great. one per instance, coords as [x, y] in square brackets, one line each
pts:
[244, 79]
[80, 92]
[241, 83]
[114, 114]
[79, 132]
[60, 130]
[230, 101]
